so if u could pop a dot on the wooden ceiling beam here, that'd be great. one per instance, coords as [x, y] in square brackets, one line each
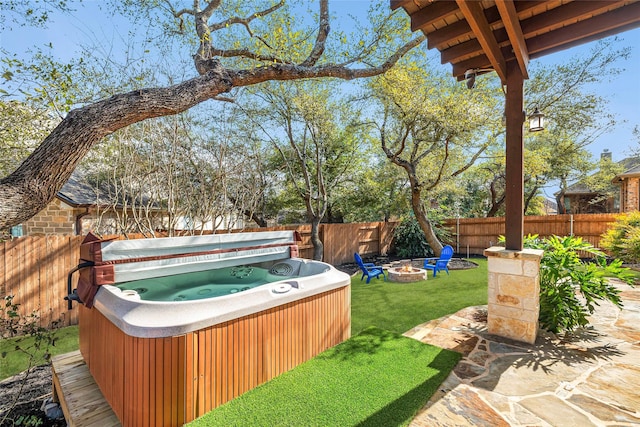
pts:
[458, 52]
[566, 15]
[561, 17]
[594, 28]
[395, 4]
[474, 15]
[594, 37]
[439, 38]
[471, 48]
[514, 31]
[431, 14]
[457, 30]
[477, 62]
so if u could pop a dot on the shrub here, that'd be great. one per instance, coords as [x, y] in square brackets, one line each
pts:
[570, 288]
[409, 240]
[623, 239]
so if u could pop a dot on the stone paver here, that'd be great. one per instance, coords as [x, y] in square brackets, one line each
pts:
[590, 379]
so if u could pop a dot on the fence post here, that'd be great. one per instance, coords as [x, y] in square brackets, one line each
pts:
[571, 225]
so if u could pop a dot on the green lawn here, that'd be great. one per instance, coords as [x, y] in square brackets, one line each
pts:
[14, 361]
[376, 378]
[399, 307]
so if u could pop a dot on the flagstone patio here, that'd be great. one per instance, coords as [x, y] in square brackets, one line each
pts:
[590, 379]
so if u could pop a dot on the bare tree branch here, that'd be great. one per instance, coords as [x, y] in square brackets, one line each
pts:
[323, 33]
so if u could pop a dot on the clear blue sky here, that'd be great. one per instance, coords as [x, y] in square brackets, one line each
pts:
[92, 24]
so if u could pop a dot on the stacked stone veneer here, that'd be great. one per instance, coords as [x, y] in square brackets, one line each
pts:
[56, 218]
[514, 293]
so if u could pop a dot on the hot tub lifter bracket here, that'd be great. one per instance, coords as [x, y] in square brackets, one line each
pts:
[73, 296]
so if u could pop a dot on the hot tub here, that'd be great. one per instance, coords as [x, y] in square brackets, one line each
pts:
[165, 360]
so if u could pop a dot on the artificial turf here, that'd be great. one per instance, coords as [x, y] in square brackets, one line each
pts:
[376, 378]
[399, 307]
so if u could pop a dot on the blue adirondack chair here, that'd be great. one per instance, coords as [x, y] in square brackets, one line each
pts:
[439, 264]
[369, 269]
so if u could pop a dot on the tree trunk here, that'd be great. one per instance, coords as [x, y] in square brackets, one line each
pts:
[421, 215]
[530, 197]
[318, 246]
[562, 208]
[496, 202]
[258, 219]
[37, 180]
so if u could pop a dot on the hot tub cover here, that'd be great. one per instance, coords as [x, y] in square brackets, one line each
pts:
[115, 261]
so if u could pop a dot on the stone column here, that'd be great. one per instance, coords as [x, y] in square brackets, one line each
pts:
[514, 293]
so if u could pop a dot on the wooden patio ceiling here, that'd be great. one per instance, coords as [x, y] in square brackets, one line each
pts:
[486, 34]
[501, 36]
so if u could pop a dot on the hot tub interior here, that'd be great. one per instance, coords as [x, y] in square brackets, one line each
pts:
[215, 282]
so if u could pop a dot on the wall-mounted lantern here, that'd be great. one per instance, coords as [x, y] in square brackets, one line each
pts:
[536, 121]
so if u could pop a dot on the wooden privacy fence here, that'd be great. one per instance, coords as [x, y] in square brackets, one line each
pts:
[474, 235]
[342, 240]
[34, 269]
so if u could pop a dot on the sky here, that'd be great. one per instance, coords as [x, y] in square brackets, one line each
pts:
[623, 93]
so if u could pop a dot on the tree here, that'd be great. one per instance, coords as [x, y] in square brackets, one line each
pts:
[174, 173]
[635, 149]
[22, 126]
[600, 181]
[378, 192]
[562, 92]
[224, 61]
[316, 140]
[434, 129]
[559, 154]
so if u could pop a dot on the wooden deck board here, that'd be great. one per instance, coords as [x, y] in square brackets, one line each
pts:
[80, 398]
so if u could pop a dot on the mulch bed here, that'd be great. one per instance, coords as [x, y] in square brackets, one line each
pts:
[454, 264]
[31, 393]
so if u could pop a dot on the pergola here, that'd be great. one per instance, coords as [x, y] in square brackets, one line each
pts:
[502, 36]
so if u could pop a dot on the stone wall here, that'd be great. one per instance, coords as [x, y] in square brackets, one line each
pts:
[56, 218]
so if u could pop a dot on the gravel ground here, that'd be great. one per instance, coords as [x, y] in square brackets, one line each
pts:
[38, 385]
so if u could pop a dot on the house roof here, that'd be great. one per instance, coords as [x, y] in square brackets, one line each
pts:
[630, 173]
[578, 188]
[632, 169]
[79, 191]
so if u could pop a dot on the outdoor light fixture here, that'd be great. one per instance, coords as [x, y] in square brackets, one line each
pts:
[470, 76]
[536, 121]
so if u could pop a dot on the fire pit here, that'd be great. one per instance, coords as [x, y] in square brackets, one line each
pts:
[406, 274]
